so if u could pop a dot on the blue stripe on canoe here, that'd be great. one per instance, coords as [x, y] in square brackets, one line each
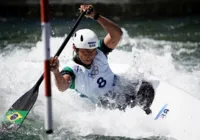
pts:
[160, 112]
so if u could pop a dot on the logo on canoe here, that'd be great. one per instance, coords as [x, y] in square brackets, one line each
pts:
[13, 117]
[162, 113]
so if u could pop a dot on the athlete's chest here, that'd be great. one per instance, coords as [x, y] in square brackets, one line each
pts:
[96, 79]
[94, 73]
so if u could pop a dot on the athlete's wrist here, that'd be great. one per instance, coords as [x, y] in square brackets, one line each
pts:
[56, 71]
[96, 16]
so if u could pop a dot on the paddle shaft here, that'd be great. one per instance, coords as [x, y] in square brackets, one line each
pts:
[16, 114]
[63, 45]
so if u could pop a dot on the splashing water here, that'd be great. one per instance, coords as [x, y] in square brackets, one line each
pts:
[72, 115]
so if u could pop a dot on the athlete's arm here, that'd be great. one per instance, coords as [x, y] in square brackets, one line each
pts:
[63, 82]
[114, 32]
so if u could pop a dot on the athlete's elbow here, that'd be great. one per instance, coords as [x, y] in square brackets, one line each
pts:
[62, 89]
[120, 33]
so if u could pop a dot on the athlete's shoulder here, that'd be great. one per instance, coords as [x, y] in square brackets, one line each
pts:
[100, 55]
[102, 47]
[74, 67]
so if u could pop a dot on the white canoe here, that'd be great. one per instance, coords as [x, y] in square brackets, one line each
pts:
[178, 110]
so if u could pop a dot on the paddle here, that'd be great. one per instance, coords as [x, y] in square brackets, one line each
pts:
[16, 114]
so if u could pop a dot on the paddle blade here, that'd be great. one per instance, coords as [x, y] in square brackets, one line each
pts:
[19, 110]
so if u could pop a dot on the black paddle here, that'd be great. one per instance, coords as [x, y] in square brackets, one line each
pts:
[15, 116]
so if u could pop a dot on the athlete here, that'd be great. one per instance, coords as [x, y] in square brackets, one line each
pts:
[89, 74]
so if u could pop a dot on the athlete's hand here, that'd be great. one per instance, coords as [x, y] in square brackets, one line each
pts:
[91, 11]
[54, 64]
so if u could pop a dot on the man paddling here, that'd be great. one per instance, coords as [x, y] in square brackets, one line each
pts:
[89, 74]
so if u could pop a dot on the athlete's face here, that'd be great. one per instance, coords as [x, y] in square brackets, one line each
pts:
[87, 55]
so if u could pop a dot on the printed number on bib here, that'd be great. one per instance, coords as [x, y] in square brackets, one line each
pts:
[101, 82]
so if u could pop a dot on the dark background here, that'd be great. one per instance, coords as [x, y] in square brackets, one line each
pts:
[117, 9]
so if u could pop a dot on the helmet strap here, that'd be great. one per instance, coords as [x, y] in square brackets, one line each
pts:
[75, 50]
[74, 47]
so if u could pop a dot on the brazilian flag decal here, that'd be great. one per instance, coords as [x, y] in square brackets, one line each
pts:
[15, 116]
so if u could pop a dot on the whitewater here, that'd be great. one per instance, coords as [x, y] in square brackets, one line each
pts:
[76, 118]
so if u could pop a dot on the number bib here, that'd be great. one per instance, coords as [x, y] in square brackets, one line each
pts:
[96, 81]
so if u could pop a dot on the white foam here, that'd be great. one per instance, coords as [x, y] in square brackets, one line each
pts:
[22, 68]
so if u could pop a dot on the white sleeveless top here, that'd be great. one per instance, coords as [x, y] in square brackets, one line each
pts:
[96, 81]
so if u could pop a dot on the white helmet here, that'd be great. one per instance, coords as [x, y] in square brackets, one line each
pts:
[85, 39]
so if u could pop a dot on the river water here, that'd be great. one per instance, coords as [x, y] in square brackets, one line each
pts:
[167, 48]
